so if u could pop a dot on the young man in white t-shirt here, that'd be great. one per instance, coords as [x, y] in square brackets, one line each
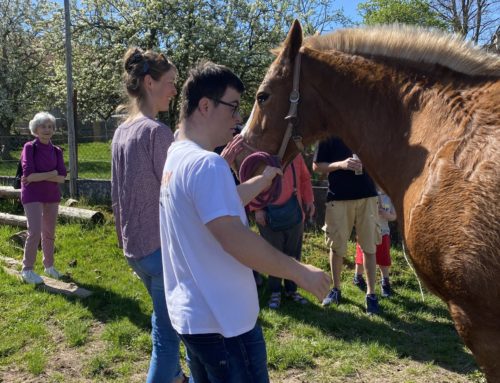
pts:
[207, 248]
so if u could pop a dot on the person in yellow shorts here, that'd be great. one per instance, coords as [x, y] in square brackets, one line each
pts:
[351, 202]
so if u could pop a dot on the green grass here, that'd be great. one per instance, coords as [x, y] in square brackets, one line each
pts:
[94, 160]
[53, 338]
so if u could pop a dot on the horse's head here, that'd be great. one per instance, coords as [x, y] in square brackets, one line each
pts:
[277, 122]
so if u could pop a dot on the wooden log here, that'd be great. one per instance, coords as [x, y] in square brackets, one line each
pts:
[19, 238]
[13, 220]
[64, 211]
[49, 284]
[60, 287]
[9, 192]
[11, 262]
[81, 214]
[71, 202]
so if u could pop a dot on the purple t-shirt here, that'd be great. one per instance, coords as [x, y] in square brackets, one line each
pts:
[139, 150]
[45, 158]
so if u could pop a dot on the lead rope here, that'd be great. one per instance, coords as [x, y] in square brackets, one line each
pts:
[248, 168]
[414, 272]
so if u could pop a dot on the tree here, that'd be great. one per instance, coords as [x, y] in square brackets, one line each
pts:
[24, 58]
[414, 12]
[236, 33]
[476, 20]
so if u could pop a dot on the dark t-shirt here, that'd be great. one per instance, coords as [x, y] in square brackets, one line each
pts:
[343, 184]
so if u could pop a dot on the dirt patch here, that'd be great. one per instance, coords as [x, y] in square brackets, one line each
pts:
[65, 364]
[405, 371]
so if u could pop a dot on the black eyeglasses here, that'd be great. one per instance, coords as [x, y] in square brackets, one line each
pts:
[235, 107]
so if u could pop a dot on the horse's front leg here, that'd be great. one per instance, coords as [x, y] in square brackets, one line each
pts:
[481, 333]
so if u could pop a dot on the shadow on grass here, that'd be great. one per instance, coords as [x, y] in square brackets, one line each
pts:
[107, 306]
[424, 334]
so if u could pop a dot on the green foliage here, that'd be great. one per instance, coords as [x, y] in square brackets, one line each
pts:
[236, 33]
[24, 54]
[414, 12]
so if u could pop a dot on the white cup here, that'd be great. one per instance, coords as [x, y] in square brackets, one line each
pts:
[357, 172]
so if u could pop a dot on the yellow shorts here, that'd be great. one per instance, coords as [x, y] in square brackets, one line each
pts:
[342, 216]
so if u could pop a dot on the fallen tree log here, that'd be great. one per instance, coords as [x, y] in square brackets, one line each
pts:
[9, 192]
[77, 213]
[19, 239]
[13, 220]
[81, 214]
[49, 284]
[65, 212]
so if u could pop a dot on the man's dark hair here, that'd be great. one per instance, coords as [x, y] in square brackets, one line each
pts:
[207, 80]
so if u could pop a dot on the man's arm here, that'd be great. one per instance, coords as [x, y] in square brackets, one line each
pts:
[256, 253]
[250, 189]
[347, 164]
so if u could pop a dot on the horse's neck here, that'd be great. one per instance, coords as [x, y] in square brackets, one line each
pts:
[364, 107]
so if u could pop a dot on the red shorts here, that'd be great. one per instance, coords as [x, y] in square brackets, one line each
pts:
[382, 255]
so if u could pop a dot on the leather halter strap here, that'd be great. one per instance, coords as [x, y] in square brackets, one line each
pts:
[291, 131]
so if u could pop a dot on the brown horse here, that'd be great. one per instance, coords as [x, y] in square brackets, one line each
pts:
[422, 111]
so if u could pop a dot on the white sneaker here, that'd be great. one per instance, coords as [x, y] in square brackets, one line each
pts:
[52, 272]
[29, 276]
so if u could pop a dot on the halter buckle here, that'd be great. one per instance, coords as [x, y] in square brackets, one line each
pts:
[294, 96]
[297, 139]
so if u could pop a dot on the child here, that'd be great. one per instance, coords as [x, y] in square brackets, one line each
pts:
[386, 213]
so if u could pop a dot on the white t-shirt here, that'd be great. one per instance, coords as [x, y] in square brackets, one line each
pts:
[385, 204]
[207, 289]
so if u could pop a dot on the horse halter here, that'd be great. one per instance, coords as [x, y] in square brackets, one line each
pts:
[291, 117]
[248, 166]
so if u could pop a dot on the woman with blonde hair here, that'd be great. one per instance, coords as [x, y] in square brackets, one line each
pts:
[139, 151]
[43, 171]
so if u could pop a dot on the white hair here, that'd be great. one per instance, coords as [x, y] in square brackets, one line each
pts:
[40, 119]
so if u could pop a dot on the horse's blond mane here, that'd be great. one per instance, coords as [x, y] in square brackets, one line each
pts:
[412, 44]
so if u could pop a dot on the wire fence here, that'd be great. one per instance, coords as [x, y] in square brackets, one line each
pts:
[93, 153]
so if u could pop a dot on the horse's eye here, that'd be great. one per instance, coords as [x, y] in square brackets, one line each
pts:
[262, 97]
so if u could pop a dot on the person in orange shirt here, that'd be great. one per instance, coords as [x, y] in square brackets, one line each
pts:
[296, 183]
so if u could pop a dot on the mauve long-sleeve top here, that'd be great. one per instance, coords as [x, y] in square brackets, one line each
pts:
[139, 150]
[45, 158]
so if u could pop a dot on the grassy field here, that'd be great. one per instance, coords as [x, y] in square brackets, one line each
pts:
[94, 160]
[104, 338]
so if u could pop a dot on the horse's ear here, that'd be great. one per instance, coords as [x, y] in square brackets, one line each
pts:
[292, 43]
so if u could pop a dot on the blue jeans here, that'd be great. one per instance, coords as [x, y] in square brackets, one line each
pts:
[164, 365]
[215, 359]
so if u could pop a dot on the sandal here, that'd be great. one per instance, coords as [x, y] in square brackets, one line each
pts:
[296, 297]
[275, 301]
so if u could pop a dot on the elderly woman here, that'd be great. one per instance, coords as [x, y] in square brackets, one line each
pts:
[43, 169]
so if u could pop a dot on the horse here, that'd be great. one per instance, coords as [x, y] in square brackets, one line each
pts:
[421, 109]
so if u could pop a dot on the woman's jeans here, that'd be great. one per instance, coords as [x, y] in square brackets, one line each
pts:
[164, 365]
[42, 218]
[215, 359]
